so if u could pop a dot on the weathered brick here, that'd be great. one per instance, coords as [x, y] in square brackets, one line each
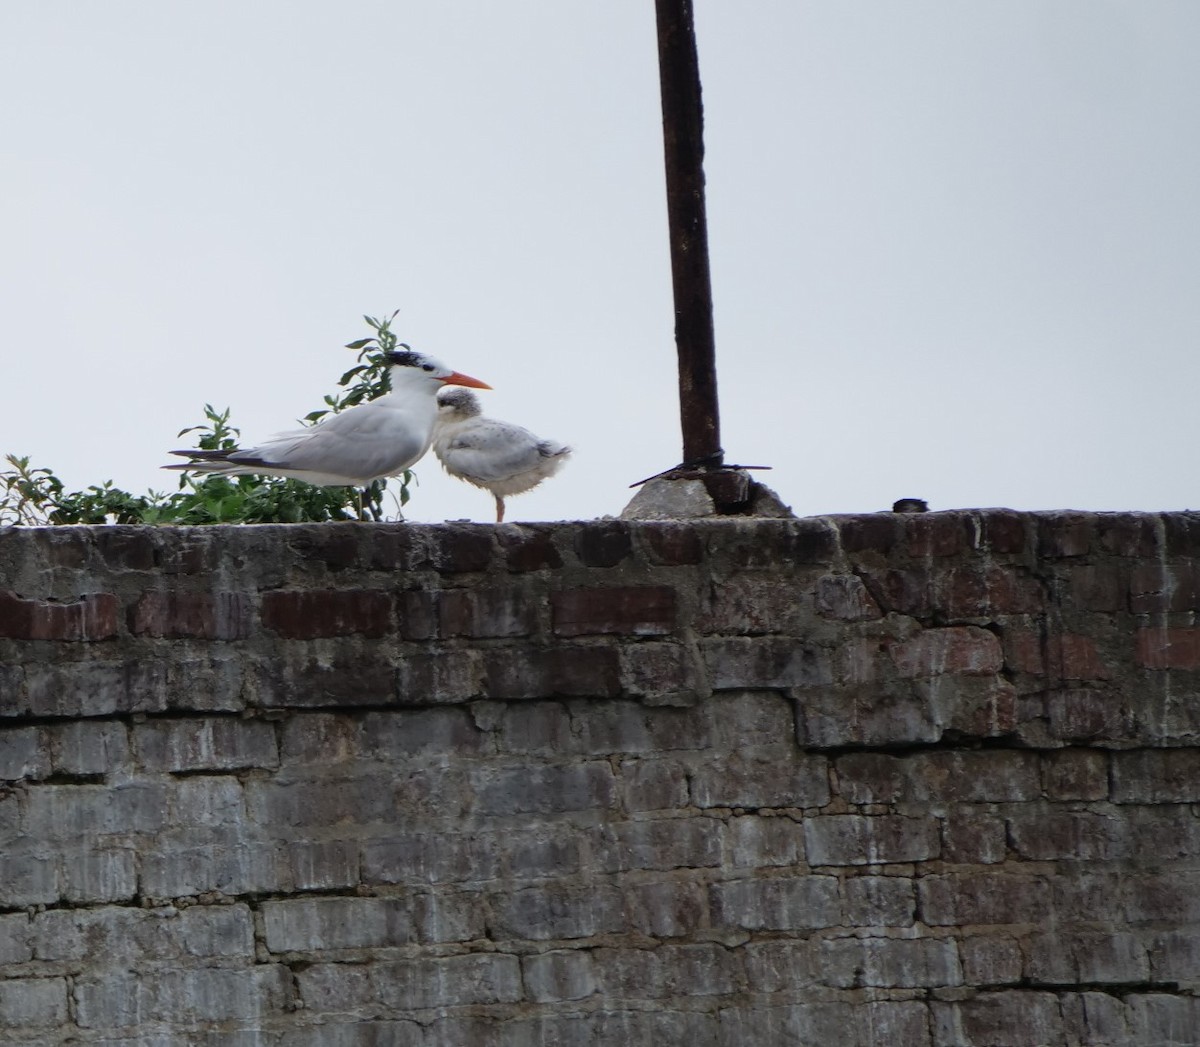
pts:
[548, 672]
[559, 975]
[768, 777]
[220, 743]
[1093, 588]
[557, 911]
[94, 616]
[1065, 958]
[752, 604]
[629, 727]
[1175, 955]
[972, 836]
[976, 897]
[416, 614]
[1119, 832]
[1075, 774]
[16, 939]
[1168, 648]
[662, 673]
[986, 591]
[668, 843]
[68, 811]
[319, 924]
[544, 789]
[889, 962]
[789, 903]
[850, 839]
[936, 534]
[603, 543]
[324, 864]
[747, 663]
[958, 649]
[880, 901]
[670, 909]
[305, 614]
[395, 735]
[650, 974]
[224, 863]
[979, 776]
[1065, 534]
[180, 615]
[431, 857]
[127, 548]
[845, 598]
[1161, 1018]
[1156, 587]
[1085, 714]
[752, 842]
[492, 613]
[88, 747]
[990, 960]
[627, 610]
[671, 544]
[99, 875]
[1094, 1017]
[528, 548]
[653, 785]
[876, 533]
[27, 879]
[431, 679]
[315, 681]
[544, 853]
[1156, 776]
[769, 543]
[1010, 1018]
[33, 1002]
[460, 548]
[23, 754]
[781, 966]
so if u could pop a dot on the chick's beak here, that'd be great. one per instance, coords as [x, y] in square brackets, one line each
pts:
[455, 378]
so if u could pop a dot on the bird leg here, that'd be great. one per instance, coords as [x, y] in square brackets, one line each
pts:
[499, 508]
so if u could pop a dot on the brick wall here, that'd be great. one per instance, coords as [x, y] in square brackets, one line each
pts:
[887, 780]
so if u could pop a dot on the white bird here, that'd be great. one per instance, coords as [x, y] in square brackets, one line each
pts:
[355, 447]
[497, 456]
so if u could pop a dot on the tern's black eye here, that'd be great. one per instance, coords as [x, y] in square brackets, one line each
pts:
[427, 367]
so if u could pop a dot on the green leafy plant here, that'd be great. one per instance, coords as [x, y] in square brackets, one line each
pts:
[35, 496]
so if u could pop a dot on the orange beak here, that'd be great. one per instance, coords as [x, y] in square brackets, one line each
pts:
[464, 379]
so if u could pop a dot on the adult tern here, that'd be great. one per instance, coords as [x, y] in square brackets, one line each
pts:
[497, 456]
[355, 447]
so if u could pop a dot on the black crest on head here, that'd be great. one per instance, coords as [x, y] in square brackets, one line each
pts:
[405, 358]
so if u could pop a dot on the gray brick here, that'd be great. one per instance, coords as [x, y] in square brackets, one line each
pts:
[849, 963]
[653, 785]
[90, 876]
[560, 975]
[1163, 1019]
[1156, 776]
[983, 898]
[452, 981]
[1000, 1019]
[23, 754]
[1175, 955]
[67, 811]
[225, 864]
[27, 879]
[89, 747]
[668, 843]
[653, 974]
[780, 966]
[751, 663]
[752, 842]
[323, 864]
[629, 727]
[544, 789]
[317, 924]
[802, 1023]
[214, 743]
[394, 735]
[216, 801]
[762, 778]
[880, 901]
[545, 913]
[16, 939]
[217, 931]
[416, 858]
[450, 916]
[33, 1002]
[1095, 1018]
[990, 960]
[857, 840]
[793, 903]
[1069, 957]
[544, 852]
[669, 909]
[335, 988]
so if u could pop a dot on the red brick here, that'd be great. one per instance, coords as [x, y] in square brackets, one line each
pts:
[603, 544]
[906, 592]
[672, 544]
[496, 612]
[937, 534]
[1002, 531]
[93, 617]
[1061, 656]
[1094, 588]
[957, 649]
[302, 614]
[178, 615]
[1172, 648]
[1164, 587]
[844, 597]
[1128, 534]
[1065, 534]
[771, 544]
[627, 610]
[876, 533]
[751, 603]
[528, 549]
[990, 590]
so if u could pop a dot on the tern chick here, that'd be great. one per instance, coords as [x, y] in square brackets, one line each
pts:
[355, 447]
[497, 456]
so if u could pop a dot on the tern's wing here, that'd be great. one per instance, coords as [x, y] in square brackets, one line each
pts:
[360, 442]
[489, 450]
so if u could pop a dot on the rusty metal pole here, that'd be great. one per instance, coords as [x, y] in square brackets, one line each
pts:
[683, 145]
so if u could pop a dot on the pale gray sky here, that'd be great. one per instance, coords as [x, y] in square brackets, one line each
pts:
[955, 246]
